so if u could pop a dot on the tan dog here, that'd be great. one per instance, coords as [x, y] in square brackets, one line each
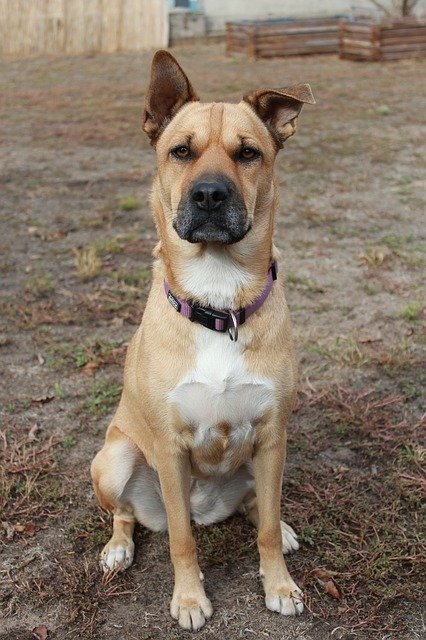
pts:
[200, 430]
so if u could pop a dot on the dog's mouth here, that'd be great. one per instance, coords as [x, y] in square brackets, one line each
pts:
[209, 231]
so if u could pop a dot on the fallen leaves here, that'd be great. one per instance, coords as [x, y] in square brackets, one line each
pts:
[41, 632]
[27, 529]
[326, 580]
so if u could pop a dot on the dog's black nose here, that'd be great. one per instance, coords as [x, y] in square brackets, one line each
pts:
[209, 195]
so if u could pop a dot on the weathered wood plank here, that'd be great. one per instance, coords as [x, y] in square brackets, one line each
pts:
[386, 41]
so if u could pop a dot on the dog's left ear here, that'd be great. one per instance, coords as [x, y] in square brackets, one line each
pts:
[279, 108]
[168, 91]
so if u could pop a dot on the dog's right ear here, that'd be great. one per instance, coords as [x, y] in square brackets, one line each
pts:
[168, 91]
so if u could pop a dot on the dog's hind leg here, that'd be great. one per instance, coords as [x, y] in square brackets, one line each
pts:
[250, 509]
[127, 486]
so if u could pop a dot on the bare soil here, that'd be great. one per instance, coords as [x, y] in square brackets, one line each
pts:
[76, 237]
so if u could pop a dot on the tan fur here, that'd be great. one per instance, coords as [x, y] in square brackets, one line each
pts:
[163, 349]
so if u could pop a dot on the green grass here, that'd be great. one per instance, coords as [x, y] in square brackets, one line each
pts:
[305, 284]
[68, 442]
[58, 391]
[396, 242]
[95, 352]
[129, 204]
[133, 278]
[412, 311]
[103, 398]
[41, 285]
[105, 246]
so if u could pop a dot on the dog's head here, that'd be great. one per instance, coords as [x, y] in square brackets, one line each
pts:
[216, 160]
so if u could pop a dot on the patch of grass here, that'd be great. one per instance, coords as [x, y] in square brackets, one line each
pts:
[364, 525]
[92, 354]
[395, 242]
[305, 284]
[87, 262]
[133, 278]
[350, 352]
[68, 442]
[103, 398]
[89, 530]
[218, 544]
[412, 311]
[126, 301]
[411, 390]
[383, 110]
[307, 535]
[319, 349]
[375, 256]
[383, 153]
[129, 204]
[17, 405]
[30, 487]
[342, 428]
[105, 246]
[40, 285]
[370, 289]
[58, 391]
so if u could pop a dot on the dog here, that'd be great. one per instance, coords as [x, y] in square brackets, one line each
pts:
[210, 375]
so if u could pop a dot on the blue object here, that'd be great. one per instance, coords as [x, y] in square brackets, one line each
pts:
[192, 5]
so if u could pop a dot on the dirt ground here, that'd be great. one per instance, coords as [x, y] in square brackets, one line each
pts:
[76, 237]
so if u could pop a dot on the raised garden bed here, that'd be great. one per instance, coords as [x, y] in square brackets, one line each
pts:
[264, 39]
[387, 40]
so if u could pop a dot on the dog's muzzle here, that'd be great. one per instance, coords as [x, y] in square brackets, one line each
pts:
[212, 211]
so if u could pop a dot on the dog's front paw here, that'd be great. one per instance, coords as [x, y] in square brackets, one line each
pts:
[190, 610]
[289, 538]
[286, 599]
[117, 555]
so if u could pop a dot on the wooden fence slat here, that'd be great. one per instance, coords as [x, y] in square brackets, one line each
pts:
[54, 27]
[110, 25]
[403, 33]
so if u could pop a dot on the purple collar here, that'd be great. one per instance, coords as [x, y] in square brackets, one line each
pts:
[221, 319]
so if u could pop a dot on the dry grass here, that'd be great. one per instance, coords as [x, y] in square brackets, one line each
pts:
[88, 264]
[362, 514]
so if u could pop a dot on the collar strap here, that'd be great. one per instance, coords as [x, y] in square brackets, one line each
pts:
[220, 319]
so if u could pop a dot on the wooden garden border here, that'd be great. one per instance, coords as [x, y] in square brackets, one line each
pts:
[262, 39]
[387, 40]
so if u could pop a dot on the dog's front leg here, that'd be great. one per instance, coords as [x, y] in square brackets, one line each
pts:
[189, 604]
[281, 592]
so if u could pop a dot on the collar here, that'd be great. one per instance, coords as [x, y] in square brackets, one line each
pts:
[221, 319]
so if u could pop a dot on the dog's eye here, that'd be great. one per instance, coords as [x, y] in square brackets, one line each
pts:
[182, 152]
[248, 153]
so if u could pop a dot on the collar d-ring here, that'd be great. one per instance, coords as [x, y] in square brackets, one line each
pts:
[233, 331]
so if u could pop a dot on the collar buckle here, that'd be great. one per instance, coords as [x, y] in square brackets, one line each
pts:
[210, 318]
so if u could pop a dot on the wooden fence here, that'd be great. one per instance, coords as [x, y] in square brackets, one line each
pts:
[39, 27]
[283, 38]
[389, 40]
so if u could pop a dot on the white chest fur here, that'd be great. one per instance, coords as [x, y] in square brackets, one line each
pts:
[215, 277]
[219, 390]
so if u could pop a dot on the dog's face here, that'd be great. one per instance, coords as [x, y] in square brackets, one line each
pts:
[215, 160]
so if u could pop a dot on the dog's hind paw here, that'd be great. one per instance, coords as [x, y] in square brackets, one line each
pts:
[289, 538]
[117, 555]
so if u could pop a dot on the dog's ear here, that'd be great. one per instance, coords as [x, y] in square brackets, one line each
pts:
[168, 91]
[279, 108]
